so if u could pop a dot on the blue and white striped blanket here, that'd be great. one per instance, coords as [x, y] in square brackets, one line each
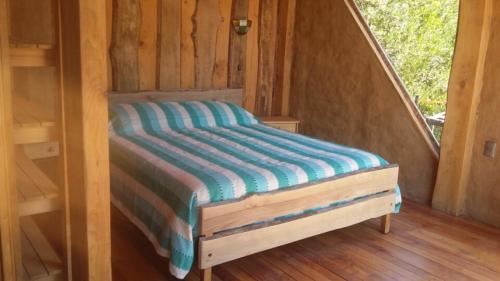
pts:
[168, 158]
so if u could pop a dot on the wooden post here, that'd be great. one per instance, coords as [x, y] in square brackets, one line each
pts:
[385, 224]
[85, 82]
[9, 221]
[464, 92]
[206, 274]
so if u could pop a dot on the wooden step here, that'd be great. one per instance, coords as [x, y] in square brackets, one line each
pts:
[32, 55]
[32, 123]
[36, 192]
[40, 261]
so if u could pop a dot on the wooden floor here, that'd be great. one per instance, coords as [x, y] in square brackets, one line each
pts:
[423, 245]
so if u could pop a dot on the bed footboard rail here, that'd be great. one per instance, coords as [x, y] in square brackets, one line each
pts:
[231, 245]
[267, 206]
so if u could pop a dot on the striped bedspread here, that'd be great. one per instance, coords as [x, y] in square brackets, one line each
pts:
[168, 158]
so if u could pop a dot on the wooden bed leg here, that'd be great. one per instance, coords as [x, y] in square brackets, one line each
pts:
[206, 274]
[385, 225]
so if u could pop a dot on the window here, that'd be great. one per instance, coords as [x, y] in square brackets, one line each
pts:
[418, 36]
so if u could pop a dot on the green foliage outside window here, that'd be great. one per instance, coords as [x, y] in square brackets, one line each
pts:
[419, 38]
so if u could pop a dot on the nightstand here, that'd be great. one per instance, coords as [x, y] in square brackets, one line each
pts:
[282, 122]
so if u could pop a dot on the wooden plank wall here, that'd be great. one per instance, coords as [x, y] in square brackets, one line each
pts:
[343, 91]
[188, 44]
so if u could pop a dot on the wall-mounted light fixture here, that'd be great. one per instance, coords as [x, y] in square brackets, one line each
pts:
[242, 26]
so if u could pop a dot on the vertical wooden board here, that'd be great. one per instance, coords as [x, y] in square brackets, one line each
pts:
[109, 38]
[206, 23]
[464, 94]
[125, 45]
[9, 223]
[220, 74]
[187, 44]
[267, 51]
[252, 56]
[95, 134]
[169, 62]
[147, 45]
[237, 47]
[85, 86]
[481, 198]
[32, 22]
[56, 168]
[284, 52]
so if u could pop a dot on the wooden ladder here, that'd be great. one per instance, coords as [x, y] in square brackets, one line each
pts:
[38, 134]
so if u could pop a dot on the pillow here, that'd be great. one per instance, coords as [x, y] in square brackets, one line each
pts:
[130, 118]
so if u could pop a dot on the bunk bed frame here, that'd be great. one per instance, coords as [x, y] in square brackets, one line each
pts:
[368, 193]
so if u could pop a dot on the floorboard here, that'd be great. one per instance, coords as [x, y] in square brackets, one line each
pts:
[423, 244]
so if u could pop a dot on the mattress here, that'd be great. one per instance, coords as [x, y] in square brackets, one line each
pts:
[169, 158]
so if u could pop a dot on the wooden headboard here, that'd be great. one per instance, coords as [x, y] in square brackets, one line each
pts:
[229, 95]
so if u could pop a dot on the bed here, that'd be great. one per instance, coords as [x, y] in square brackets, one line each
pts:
[206, 181]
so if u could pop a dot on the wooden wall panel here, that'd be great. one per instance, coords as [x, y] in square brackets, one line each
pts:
[284, 55]
[267, 55]
[342, 92]
[169, 61]
[147, 45]
[187, 44]
[196, 46]
[125, 44]
[237, 47]
[206, 24]
[220, 72]
[252, 56]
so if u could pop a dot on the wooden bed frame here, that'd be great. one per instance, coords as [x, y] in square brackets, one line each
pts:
[229, 230]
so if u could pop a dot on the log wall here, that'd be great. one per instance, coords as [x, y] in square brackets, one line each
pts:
[186, 44]
[343, 90]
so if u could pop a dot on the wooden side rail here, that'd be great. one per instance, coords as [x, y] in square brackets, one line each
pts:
[267, 206]
[214, 250]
